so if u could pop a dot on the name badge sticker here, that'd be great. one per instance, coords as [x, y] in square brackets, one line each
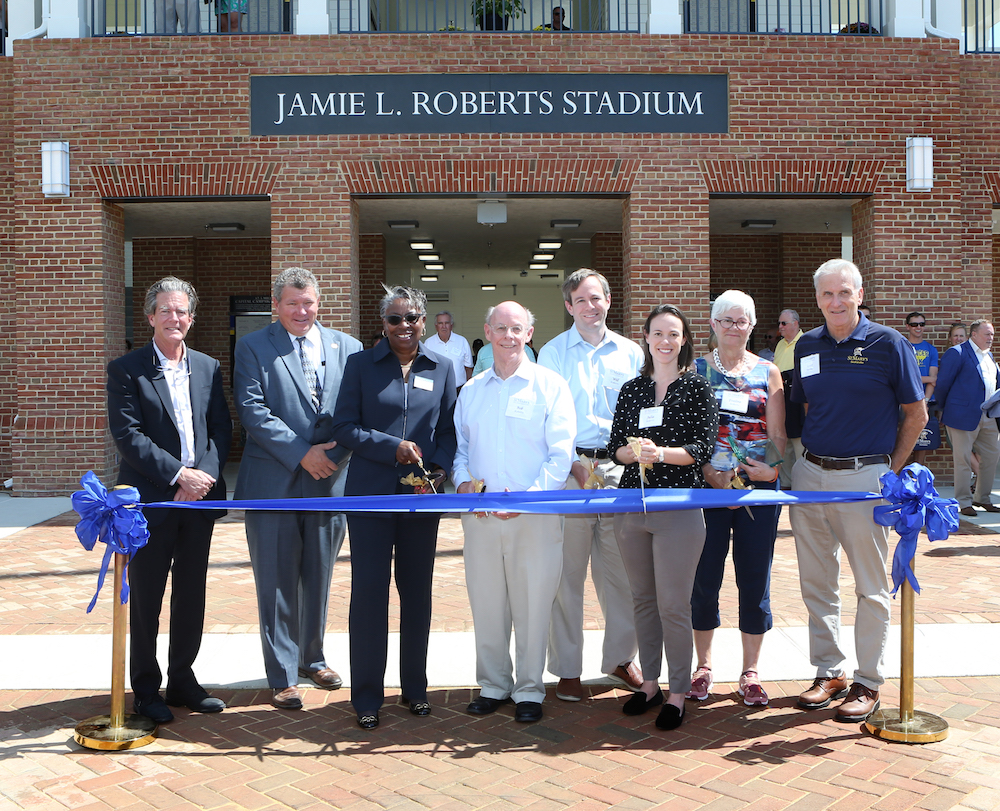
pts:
[735, 402]
[809, 365]
[651, 417]
[424, 383]
[614, 379]
[520, 408]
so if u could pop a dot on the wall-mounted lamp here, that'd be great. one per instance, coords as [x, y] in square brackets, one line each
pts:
[403, 224]
[225, 226]
[919, 164]
[55, 168]
[760, 225]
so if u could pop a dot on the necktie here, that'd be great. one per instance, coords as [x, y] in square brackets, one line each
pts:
[310, 372]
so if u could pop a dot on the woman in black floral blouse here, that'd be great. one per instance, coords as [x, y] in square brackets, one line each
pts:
[672, 412]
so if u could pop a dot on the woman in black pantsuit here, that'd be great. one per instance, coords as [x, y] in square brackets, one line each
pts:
[394, 410]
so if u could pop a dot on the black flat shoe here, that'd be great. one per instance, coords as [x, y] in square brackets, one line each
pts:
[198, 701]
[670, 717]
[154, 708]
[527, 712]
[368, 721]
[419, 708]
[638, 703]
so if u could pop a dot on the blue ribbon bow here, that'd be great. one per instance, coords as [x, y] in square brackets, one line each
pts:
[913, 504]
[112, 518]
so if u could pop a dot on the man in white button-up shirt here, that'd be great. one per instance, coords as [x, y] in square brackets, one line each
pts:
[595, 362]
[516, 427]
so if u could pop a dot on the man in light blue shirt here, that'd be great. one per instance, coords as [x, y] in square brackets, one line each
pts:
[595, 362]
[516, 427]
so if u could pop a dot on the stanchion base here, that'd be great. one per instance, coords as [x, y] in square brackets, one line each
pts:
[97, 732]
[922, 727]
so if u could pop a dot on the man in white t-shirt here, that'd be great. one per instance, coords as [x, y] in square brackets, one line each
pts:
[452, 346]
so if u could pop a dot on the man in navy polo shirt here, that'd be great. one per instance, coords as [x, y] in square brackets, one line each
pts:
[854, 376]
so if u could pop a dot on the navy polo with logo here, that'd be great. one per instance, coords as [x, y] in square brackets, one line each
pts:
[854, 388]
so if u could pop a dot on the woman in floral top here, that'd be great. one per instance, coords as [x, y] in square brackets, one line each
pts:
[671, 411]
[751, 415]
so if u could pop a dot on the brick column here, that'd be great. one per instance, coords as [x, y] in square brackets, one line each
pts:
[608, 260]
[371, 275]
[8, 292]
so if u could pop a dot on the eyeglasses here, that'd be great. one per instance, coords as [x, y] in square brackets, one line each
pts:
[917, 324]
[785, 323]
[395, 319]
[728, 323]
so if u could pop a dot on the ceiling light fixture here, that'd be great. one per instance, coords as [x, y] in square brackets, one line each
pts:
[434, 266]
[488, 287]
[226, 226]
[403, 224]
[565, 223]
[758, 224]
[429, 257]
[422, 244]
[428, 278]
[491, 212]
[549, 244]
[548, 275]
[543, 257]
[538, 266]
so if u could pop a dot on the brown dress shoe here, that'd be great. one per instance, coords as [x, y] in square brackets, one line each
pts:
[990, 508]
[570, 690]
[969, 511]
[824, 690]
[288, 698]
[326, 678]
[861, 702]
[627, 675]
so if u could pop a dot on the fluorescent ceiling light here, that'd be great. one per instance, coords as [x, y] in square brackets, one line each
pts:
[434, 266]
[489, 287]
[422, 244]
[429, 257]
[548, 275]
[565, 223]
[538, 266]
[428, 278]
[758, 224]
[549, 244]
[403, 224]
[226, 226]
[543, 257]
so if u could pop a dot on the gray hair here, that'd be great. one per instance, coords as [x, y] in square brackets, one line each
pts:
[840, 267]
[531, 315]
[792, 314]
[415, 298]
[975, 325]
[170, 284]
[444, 312]
[578, 277]
[735, 300]
[299, 278]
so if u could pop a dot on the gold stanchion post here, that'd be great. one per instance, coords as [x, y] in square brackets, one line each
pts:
[907, 725]
[118, 730]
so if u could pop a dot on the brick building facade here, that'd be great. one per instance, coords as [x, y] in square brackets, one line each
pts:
[167, 118]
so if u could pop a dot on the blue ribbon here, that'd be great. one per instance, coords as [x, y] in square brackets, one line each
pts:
[913, 505]
[112, 518]
[537, 501]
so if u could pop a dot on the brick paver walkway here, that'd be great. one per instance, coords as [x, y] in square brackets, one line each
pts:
[588, 755]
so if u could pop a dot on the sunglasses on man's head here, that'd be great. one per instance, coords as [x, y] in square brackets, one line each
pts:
[395, 320]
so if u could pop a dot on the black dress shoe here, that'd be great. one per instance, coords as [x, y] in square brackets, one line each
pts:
[990, 508]
[196, 701]
[670, 717]
[419, 708]
[638, 703]
[368, 721]
[484, 706]
[154, 708]
[527, 712]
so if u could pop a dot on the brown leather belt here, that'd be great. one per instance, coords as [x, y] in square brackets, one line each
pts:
[848, 463]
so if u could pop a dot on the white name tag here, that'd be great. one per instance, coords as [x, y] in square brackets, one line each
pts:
[651, 417]
[735, 402]
[520, 408]
[424, 383]
[809, 366]
[614, 379]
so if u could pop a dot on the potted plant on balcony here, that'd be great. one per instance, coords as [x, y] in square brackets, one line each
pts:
[493, 15]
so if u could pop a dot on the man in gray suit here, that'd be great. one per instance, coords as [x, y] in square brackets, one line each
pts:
[287, 377]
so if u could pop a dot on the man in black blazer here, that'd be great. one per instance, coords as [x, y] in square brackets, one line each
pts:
[168, 416]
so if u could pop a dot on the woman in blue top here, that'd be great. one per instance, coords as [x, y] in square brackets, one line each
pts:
[751, 403]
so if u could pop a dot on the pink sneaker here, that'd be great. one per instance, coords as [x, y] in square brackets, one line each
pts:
[701, 681]
[751, 690]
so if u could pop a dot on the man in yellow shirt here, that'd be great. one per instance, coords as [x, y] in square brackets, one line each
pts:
[784, 359]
